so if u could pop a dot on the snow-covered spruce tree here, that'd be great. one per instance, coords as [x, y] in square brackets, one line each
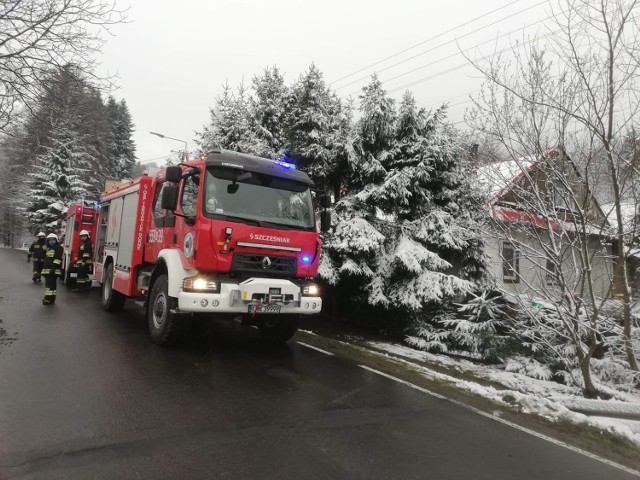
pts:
[376, 132]
[351, 249]
[268, 108]
[314, 118]
[69, 99]
[56, 180]
[120, 146]
[232, 126]
[393, 248]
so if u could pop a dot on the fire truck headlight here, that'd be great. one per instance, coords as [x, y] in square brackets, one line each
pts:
[310, 290]
[200, 284]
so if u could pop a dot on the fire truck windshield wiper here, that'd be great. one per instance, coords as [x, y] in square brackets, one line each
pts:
[249, 221]
[281, 226]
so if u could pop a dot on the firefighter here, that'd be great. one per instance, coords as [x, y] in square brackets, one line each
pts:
[52, 268]
[37, 250]
[85, 252]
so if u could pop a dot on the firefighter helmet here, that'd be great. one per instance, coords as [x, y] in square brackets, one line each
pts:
[41, 234]
[84, 232]
[52, 235]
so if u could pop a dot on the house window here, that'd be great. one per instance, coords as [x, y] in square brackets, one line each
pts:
[510, 263]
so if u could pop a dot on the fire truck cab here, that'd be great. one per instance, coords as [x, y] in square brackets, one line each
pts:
[228, 235]
[81, 216]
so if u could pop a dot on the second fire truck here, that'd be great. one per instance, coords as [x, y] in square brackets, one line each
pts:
[81, 216]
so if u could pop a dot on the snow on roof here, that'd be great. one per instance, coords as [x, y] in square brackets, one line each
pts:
[496, 178]
[629, 211]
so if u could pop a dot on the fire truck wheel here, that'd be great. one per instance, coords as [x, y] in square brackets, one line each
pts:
[279, 331]
[165, 327]
[112, 301]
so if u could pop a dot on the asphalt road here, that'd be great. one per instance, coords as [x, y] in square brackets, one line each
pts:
[86, 395]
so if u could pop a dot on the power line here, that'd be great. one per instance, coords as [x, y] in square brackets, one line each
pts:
[428, 40]
[423, 42]
[457, 67]
[447, 43]
[153, 159]
[467, 50]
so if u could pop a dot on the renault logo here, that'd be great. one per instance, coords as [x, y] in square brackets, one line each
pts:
[266, 263]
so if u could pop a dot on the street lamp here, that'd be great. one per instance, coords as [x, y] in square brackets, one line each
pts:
[185, 153]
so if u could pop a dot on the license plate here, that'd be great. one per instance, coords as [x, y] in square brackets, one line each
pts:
[266, 308]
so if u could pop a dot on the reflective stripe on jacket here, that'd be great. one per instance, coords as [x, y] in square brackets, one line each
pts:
[53, 261]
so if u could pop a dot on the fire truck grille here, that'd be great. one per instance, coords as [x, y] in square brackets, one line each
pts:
[264, 264]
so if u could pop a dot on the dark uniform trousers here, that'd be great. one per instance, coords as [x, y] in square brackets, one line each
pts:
[51, 270]
[37, 250]
[84, 265]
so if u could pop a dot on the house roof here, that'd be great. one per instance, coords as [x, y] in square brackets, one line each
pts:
[497, 178]
[629, 212]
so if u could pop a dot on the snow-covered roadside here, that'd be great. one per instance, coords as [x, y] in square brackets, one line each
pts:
[548, 399]
[24, 248]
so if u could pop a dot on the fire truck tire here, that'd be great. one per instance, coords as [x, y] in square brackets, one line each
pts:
[278, 332]
[165, 327]
[112, 301]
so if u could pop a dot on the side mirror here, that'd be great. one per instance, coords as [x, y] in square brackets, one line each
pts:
[173, 174]
[325, 200]
[169, 197]
[325, 221]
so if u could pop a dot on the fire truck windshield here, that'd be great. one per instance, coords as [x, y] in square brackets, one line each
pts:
[257, 198]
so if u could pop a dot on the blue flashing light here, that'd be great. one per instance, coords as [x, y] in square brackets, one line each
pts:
[306, 259]
[284, 164]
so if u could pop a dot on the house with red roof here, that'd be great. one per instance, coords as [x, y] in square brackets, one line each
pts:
[546, 228]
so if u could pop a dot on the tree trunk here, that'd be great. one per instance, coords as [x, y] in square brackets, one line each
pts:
[628, 346]
[623, 275]
[590, 390]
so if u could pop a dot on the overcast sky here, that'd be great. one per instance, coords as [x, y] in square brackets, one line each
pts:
[173, 57]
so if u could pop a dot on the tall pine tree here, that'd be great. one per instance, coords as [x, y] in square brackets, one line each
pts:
[269, 111]
[314, 118]
[56, 180]
[232, 126]
[121, 148]
[410, 219]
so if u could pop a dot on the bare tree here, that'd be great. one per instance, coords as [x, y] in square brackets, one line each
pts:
[579, 90]
[37, 36]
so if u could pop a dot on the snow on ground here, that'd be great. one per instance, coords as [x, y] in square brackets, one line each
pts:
[545, 398]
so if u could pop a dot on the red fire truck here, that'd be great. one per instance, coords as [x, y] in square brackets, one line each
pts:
[227, 235]
[81, 216]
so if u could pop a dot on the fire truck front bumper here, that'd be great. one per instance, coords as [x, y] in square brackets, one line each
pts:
[253, 296]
